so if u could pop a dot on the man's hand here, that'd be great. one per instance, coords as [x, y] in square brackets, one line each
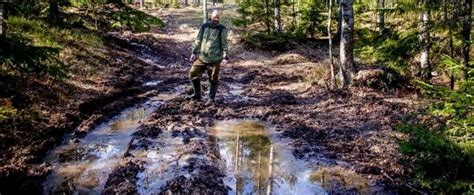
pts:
[193, 58]
[224, 62]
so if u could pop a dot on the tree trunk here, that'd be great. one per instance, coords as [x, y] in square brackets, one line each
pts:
[425, 66]
[204, 10]
[142, 3]
[339, 21]
[452, 25]
[331, 61]
[347, 66]
[298, 4]
[277, 16]
[3, 21]
[53, 10]
[381, 17]
[466, 34]
[267, 13]
[293, 12]
[445, 11]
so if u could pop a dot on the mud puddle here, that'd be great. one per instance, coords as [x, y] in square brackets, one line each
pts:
[83, 165]
[259, 162]
[236, 94]
[160, 155]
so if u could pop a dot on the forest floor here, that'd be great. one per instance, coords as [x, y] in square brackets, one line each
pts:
[345, 138]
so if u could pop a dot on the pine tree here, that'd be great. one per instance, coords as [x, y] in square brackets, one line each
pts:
[466, 35]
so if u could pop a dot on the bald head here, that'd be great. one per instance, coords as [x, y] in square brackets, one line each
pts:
[215, 16]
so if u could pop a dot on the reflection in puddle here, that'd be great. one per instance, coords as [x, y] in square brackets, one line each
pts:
[235, 93]
[258, 162]
[161, 160]
[331, 176]
[83, 166]
[152, 83]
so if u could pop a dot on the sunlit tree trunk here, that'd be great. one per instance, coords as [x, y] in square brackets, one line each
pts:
[425, 66]
[331, 60]
[277, 16]
[267, 14]
[466, 34]
[298, 5]
[293, 15]
[346, 45]
[381, 16]
[3, 21]
[339, 21]
[204, 10]
[142, 3]
[452, 24]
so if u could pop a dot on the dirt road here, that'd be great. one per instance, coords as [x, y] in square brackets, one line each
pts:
[273, 128]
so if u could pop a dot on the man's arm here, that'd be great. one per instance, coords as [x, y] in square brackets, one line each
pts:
[197, 42]
[224, 44]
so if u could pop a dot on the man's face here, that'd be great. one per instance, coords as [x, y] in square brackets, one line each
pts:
[215, 18]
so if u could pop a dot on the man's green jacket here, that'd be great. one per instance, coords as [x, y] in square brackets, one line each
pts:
[211, 43]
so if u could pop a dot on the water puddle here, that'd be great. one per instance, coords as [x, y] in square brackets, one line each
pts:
[235, 93]
[162, 159]
[341, 178]
[83, 165]
[259, 162]
[152, 83]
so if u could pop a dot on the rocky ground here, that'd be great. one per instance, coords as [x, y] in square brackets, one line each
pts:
[349, 129]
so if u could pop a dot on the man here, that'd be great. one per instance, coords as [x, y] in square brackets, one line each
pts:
[210, 51]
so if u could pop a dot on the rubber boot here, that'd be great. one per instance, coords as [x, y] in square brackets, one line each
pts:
[212, 93]
[197, 90]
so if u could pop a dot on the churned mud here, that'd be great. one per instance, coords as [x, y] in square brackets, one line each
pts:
[275, 128]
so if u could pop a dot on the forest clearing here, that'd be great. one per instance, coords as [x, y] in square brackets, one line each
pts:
[96, 97]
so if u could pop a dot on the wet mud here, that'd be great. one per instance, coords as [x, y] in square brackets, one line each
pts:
[270, 131]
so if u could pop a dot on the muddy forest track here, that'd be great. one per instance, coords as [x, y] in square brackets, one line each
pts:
[169, 144]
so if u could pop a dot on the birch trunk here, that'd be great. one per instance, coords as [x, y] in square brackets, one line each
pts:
[3, 21]
[425, 67]
[331, 60]
[204, 10]
[277, 16]
[346, 45]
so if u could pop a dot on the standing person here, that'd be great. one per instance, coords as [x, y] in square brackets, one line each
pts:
[210, 50]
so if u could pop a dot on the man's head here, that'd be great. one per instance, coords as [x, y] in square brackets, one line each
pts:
[215, 17]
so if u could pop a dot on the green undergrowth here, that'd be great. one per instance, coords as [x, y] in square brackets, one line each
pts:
[36, 58]
[442, 150]
[133, 19]
[36, 48]
[40, 58]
